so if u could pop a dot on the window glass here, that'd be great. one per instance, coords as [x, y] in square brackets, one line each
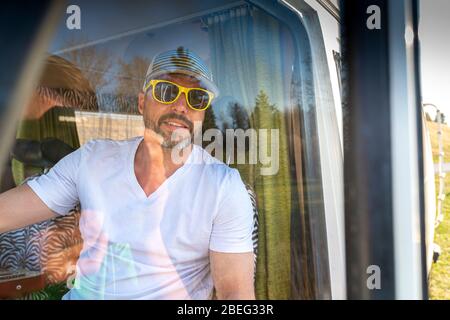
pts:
[265, 118]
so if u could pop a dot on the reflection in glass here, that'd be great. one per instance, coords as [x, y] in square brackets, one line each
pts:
[265, 76]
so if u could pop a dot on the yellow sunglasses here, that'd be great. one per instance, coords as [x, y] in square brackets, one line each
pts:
[168, 92]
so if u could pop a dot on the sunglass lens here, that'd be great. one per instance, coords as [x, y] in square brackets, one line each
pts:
[166, 92]
[199, 99]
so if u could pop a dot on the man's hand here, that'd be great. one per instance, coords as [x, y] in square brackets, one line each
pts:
[20, 207]
[233, 275]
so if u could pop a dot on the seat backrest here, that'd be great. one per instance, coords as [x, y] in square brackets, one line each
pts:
[51, 248]
[253, 199]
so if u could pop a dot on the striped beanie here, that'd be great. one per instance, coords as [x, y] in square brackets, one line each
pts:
[183, 61]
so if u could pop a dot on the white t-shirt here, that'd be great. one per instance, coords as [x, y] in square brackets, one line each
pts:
[139, 247]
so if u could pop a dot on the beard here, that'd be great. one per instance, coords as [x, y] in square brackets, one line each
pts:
[176, 139]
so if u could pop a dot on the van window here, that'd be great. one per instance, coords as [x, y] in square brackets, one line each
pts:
[261, 59]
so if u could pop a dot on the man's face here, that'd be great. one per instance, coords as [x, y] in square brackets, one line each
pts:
[173, 122]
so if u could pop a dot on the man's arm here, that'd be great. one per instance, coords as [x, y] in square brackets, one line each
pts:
[233, 275]
[20, 207]
[47, 196]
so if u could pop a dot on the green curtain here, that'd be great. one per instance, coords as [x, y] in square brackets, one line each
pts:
[248, 64]
[58, 122]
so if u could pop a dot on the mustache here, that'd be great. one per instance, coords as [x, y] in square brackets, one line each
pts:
[176, 116]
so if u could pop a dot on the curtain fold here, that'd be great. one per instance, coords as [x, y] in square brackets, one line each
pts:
[248, 61]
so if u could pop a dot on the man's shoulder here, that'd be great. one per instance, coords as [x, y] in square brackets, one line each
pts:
[97, 149]
[98, 145]
[203, 157]
[215, 168]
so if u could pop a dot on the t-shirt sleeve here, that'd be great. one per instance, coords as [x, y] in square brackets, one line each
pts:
[233, 225]
[58, 187]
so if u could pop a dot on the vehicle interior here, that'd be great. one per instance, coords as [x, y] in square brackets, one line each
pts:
[278, 65]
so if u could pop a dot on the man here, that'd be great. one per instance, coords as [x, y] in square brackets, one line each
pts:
[161, 218]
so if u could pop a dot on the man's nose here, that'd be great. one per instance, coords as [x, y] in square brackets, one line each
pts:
[180, 105]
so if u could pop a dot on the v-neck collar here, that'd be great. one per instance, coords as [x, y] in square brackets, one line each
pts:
[135, 183]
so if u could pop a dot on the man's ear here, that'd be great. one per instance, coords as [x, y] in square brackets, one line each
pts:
[141, 102]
